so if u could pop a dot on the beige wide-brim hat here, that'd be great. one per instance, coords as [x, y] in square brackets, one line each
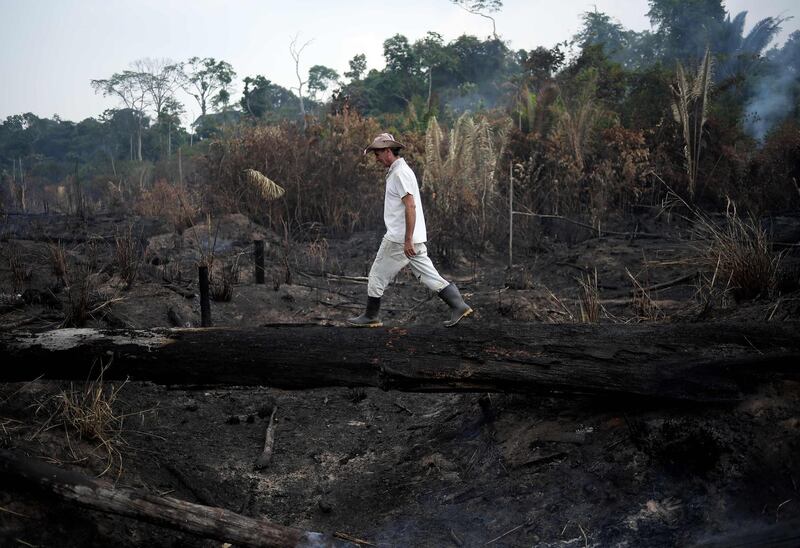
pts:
[384, 140]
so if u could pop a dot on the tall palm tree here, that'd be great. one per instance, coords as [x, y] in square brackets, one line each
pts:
[736, 52]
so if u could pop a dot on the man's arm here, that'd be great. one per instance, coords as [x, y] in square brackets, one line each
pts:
[411, 220]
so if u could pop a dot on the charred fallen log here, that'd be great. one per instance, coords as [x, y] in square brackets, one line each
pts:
[700, 362]
[205, 521]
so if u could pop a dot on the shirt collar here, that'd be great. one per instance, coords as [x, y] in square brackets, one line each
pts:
[397, 163]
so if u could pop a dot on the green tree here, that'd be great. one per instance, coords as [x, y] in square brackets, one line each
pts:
[398, 54]
[207, 80]
[358, 66]
[266, 100]
[540, 65]
[533, 86]
[320, 78]
[400, 78]
[130, 87]
[626, 47]
[686, 27]
[432, 54]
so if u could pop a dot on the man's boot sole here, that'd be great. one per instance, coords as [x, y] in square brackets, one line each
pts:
[379, 324]
[464, 315]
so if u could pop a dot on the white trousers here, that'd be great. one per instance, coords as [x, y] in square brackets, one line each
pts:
[391, 259]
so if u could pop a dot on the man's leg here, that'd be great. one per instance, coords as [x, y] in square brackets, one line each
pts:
[423, 269]
[388, 262]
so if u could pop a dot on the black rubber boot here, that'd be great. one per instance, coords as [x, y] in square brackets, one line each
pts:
[370, 317]
[458, 308]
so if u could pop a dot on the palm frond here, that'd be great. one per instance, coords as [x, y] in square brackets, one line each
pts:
[433, 154]
[266, 187]
[690, 108]
[761, 35]
[733, 33]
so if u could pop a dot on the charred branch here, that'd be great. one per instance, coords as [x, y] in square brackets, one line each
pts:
[204, 521]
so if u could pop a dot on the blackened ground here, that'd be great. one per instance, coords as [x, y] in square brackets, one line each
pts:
[422, 470]
[401, 469]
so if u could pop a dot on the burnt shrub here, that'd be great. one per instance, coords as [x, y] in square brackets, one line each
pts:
[775, 170]
[322, 168]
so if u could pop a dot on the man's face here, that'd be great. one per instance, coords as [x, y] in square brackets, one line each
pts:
[383, 156]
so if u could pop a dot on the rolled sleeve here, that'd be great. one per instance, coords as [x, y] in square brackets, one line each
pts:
[406, 184]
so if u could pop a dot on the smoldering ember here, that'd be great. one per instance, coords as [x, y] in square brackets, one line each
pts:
[481, 296]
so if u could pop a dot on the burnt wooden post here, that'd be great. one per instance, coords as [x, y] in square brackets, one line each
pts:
[259, 260]
[205, 304]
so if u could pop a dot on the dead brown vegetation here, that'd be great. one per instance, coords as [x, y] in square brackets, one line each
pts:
[173, 202]
[128, 255]
[87, 411]
[325, 176]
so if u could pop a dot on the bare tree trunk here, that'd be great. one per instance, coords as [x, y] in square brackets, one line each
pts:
[113, 166]
[139, 140]
[22, 188]
[300, 82]
[511, 215]
[430, 87]
[205, 303]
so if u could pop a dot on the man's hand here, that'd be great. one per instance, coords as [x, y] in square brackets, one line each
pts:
[408, 249]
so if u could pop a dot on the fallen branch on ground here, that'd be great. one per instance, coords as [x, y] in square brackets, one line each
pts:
[269, 442]
[594, 229]
[672, 283]
[204, 521]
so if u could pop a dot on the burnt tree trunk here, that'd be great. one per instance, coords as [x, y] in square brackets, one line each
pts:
[701, 362]
[205, 302]
[205, 521]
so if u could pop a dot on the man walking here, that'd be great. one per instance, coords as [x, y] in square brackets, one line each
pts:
[404, 241]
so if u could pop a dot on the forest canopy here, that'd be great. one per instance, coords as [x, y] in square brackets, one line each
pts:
[589, 123]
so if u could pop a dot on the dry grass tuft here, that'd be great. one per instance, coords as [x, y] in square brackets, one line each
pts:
[128, 256]
[78, 305]
[88, 411]
[317, 254]
[643, 305]
[558, 308]
[222, 289]
[21, 272]
[58, 262]
[84, 301]
[740, 253]
[589, 298]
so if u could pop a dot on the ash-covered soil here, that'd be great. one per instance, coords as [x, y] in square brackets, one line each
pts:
[399, 469]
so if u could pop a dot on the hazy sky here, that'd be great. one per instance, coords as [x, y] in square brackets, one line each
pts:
[51, 49]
